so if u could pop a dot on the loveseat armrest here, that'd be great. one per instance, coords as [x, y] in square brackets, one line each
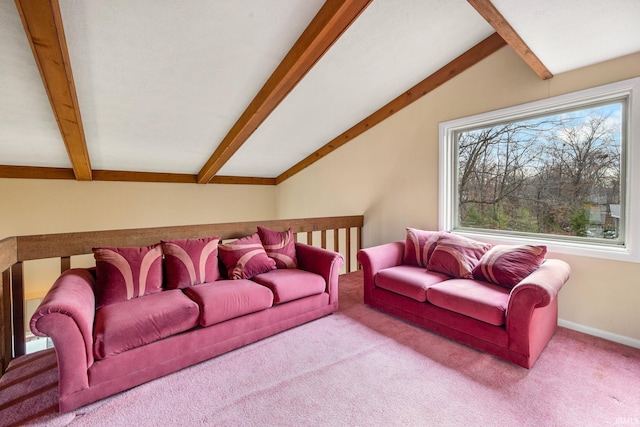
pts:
[542, 285]
[321, 261]
[530, 314]
[66, 314]
[376, 258]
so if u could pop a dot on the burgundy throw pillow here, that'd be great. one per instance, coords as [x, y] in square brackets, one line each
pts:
[126, 273]
[190, 262]
[507, 265]
[280, 246]
[456, 256]
[419, 246]
[245, 257]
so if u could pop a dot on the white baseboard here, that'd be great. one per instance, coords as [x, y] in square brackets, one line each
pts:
[621, 339]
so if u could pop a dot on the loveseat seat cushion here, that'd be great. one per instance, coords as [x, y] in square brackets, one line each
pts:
[226, 299]
[290, 284]
[408, 280]
[126, 325]
[480, 300]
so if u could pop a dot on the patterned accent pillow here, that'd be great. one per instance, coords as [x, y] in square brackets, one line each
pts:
[245, 257]
[419, 246]
[280, 246]
[507, 265]
[190, 262]
[456, 256]
[126, 273]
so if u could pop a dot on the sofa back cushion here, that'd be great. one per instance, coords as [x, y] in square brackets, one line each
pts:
[456, 256]
[245, 257]
[419, 246]
[190, 262]
[507, 265]
[280, 246]
[126, 273]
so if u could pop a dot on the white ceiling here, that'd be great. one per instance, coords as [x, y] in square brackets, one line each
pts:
[160, 83]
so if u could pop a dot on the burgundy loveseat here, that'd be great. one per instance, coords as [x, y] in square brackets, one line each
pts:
[102, 351]
[512, 322]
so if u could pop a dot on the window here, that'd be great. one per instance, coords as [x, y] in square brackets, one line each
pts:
[556, 171]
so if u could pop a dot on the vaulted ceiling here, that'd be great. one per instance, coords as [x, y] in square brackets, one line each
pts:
[248, 91]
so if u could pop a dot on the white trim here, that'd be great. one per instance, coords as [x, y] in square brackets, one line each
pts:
[620, 339]
[447, 198]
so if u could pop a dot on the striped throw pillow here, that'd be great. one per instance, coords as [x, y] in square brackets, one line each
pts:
[190, 262]
[507, 265]
[126, 273]
[245, 257]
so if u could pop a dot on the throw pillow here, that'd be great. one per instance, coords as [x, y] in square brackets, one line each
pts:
[419, 246]
[280, 246]
[507, 265]
[456, 256]
[190, 262]
[126, 273]
[245, 257]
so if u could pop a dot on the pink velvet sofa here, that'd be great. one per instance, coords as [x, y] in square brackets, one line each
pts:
[514, 323]
[102, 351]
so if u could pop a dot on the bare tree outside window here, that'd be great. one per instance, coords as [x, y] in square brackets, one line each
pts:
[557, 175]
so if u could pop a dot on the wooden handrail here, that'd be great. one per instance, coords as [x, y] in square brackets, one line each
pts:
[15, 250]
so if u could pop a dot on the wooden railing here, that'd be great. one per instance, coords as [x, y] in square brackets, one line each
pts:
[15, 250]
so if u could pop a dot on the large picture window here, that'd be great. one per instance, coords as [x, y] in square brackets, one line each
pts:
[558, 171]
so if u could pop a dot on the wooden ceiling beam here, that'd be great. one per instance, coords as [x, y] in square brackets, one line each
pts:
[471, 57]
[33, 172]
[513, 39]
[43, 25]
[331, 21]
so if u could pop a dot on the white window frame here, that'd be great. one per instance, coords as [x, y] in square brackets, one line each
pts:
[630, 250]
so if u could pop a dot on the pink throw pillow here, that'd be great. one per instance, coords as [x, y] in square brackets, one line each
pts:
[507, 265]
[456, 256]
[280, 246]
[126, 273]
[419, 246]
[245, 257]
[190, 262]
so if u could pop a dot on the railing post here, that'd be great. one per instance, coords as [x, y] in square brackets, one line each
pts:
[17, 294]
[5, 319]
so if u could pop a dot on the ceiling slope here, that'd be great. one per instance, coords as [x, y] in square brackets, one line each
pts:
[268, 87]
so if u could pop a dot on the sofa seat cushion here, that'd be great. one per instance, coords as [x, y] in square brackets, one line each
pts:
[291, 284]
[126, 325]
[480, 300]
[226, 299]
[408, 280]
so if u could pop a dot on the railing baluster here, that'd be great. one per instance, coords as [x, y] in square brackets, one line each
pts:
[323, 239]
[348, 248]
[17, 294]
[309, 237]
[65, 263]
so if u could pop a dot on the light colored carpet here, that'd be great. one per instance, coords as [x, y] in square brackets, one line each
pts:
[358, 367]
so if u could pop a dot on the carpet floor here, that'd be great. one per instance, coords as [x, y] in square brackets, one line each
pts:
[357, 367]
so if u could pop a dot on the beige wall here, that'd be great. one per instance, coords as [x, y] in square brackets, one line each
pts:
[58, 206]
[390, 174]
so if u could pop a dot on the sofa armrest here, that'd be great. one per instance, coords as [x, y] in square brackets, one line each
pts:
[321, 261]
[535, 291]
[376, 258]
[66, 314]
[542, 285]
